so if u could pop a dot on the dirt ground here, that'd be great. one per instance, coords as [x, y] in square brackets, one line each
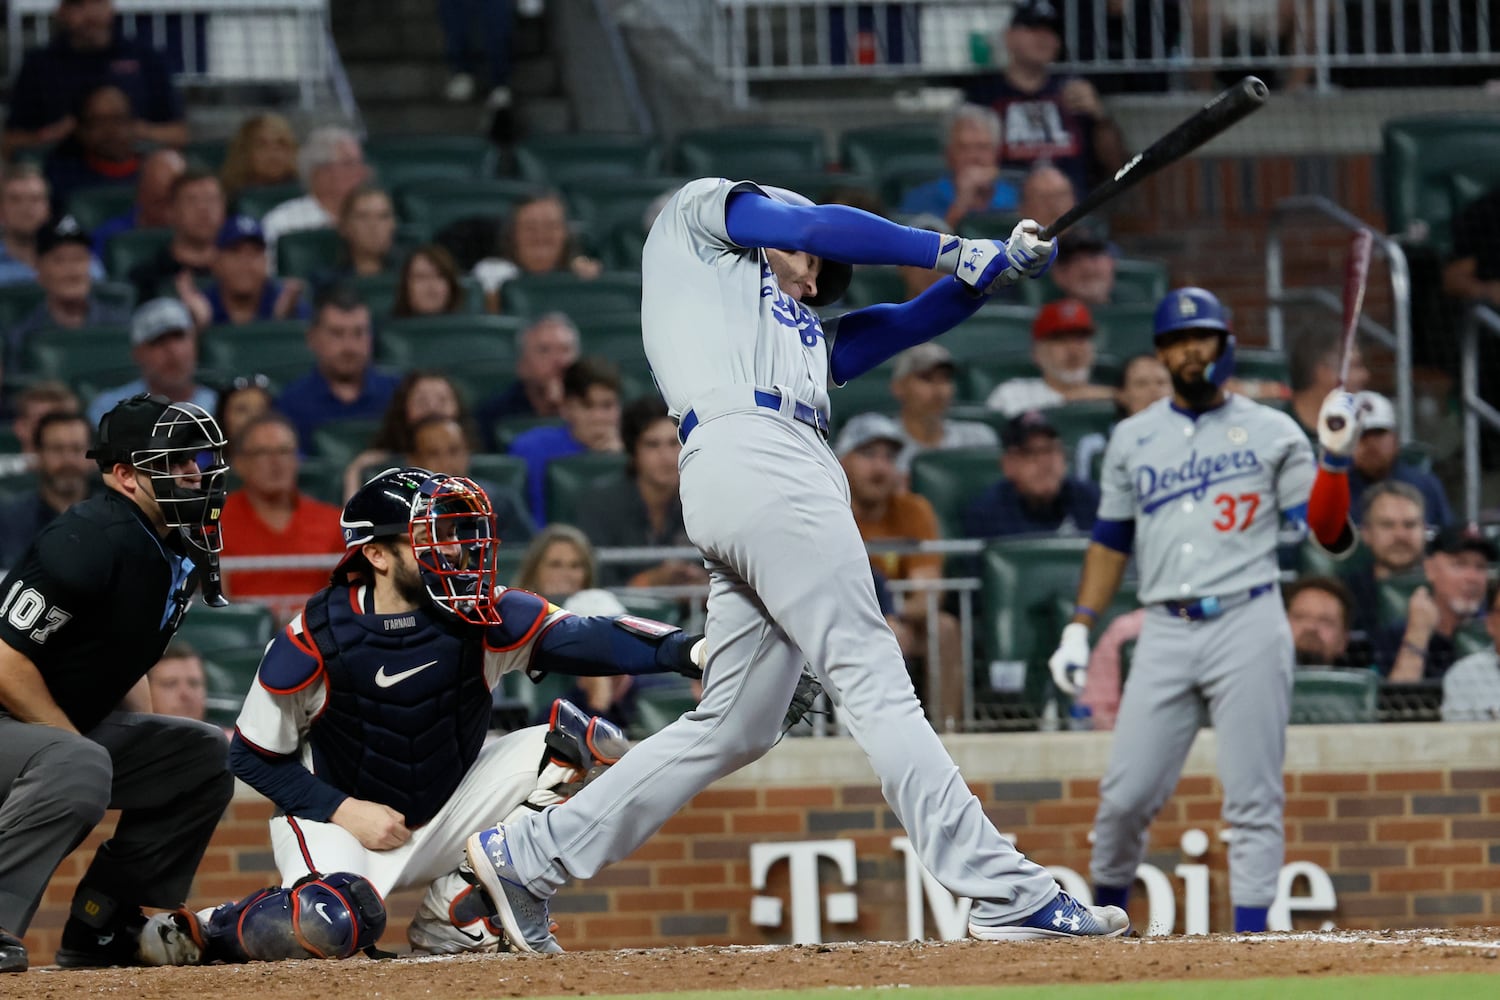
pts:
[863, 964]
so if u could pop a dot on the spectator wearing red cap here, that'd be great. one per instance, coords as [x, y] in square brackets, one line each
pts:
[1034, 494]
[1062, 345]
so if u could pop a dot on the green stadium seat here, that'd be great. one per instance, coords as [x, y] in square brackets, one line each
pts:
[950, 479]
[1023, 583]
[536, 697]
[977, 380]
[276, 348]
[995, 333]
[257, 201]
[605, 204]
[1393, 595]
[503, 471]
[9, 443]
[117, 294]
[378, 291]
[451, 341]
[879, 150]
[91, 206]
[534, 295]
[431, 205]
[229, 675]
[556, 160]
[615, 336]
[818, 185]
[322, 479]
[206, 153]
[1327, 697]
[988, 225]
[745, 153]
[308, 252]
[1417, 454]
[97, 354]
[213, 631]
[1140, 280]
[660, 705]
[570, 481]
[1422, 157]
[19, 301]
[401, 160]
[132, 247]
[1124, 330]
[870, 393]
[1266, 366]
[1075, 421]
[871, 285]
[338, 441]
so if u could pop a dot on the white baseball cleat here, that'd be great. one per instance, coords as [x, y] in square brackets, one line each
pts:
[1061, 917]
[523, 916]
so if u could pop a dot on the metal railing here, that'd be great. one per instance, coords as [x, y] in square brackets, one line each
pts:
[217, 42]
[745, 41]
[1480, 319]
[1397, 337]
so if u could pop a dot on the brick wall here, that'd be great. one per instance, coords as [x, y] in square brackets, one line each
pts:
[1405, 819]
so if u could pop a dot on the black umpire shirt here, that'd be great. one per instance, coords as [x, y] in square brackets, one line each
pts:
[93, 602]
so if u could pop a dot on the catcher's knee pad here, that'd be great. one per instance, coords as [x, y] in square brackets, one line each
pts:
[321, 916]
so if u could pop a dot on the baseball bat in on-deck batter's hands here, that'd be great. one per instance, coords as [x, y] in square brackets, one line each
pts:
[1356, 275]
[1244, 98]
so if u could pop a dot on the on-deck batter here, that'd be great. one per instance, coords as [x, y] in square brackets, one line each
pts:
[1197, 484]
[744, 364]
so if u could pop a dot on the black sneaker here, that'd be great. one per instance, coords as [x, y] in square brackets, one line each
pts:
[85, 947]
[13, 956]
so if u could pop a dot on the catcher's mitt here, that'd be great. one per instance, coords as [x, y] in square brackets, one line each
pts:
[803, 700]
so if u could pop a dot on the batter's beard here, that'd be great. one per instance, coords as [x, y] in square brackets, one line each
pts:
[1198, 393]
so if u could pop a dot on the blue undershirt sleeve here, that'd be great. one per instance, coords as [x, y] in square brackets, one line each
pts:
[1116, 535]
[868, 337]
[833, 231]
[283, 780]
[598, 647]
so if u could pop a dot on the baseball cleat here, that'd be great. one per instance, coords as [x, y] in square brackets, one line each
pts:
[1061, 917]
[13, 956]
[174, 938]
[522, 916]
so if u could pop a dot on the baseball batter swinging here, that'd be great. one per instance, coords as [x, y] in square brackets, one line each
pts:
[744, 365]
[1194, 485]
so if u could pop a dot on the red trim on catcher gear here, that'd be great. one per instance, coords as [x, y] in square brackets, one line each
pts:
[588, 740]
[259, 749]
[530, 631]
[291, 821]
[239, 925]
[297, 916]
[531, 656]
[1328, 507]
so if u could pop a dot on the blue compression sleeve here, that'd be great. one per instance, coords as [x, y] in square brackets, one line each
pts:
[870, 336]
[833, 231]
[1117, 535]
[283, 780]
[598, 647]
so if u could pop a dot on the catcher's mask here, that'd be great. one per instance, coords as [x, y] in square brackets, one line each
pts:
[450, 526]
[180, 448]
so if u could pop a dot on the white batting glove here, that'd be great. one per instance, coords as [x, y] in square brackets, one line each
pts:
[1069, 665]
[1030, 256]
[976, 263]
[699, 653]
[1339, 423]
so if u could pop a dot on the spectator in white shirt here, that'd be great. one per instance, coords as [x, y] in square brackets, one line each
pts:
[331, 164]
[1062, 345]
[1471, 687]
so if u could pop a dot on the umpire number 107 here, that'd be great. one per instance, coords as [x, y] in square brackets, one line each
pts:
[1236, 513]
[22, 608]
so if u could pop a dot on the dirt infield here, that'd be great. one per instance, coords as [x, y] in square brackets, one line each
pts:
[863, 964]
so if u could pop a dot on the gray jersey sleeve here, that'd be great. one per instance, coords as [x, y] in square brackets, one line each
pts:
[1116, 492]
[698, 213]
[1297, 468]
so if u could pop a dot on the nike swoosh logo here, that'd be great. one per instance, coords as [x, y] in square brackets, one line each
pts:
[476, 938]
[385, 680]
[322, 909]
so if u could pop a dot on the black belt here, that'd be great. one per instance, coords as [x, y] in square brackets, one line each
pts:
[814, 418]
[1212, 607]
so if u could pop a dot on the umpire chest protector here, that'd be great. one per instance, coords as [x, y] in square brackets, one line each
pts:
[407, 704]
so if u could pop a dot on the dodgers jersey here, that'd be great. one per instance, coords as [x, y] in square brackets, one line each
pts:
[712, 314]
[1205, 494]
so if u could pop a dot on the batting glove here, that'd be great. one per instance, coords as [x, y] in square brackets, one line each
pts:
[1340, 420]
[1030, 256]
[1069, 665]
[976, 263]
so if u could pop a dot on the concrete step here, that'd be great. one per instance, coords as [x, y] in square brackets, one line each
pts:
[377, 82]
[532, 116]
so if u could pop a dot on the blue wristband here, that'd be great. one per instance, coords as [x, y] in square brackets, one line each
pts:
[1337, 464]
[1079, 609]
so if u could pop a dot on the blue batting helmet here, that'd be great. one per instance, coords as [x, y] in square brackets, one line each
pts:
[1197, 309]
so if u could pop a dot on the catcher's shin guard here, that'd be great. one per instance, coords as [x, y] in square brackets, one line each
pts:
[321, 916]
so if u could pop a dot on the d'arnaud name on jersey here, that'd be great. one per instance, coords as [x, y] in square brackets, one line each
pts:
[1194, 477]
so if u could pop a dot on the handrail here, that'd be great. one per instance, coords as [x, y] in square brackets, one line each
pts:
[1277, 294]
[624, 68]
[1475, 408]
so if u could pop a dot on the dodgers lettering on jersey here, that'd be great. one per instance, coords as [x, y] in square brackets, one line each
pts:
[1206, 494]
[712, 313]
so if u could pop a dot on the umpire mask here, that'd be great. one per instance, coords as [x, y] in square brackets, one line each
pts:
[453, 536]
[180, 448]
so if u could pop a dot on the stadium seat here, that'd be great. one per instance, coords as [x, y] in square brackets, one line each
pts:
[1422, 157]
[1266, 366]
[818, 185]
[1075, 421]
[607, 203]
[1393, 595]
[212, 631]
[206, 153]
[431, 205]
[748, 152]
[557, 160]
[401, 160]
[276, 348]
[536, 697]
[98, 354]
[950, 479]
[570, 481]
[884, 149]
[616, 336]
[988, 226]
[977, 380]
[91, 206]
[378, 292]
[1326, 697]
[322, 479]
[538, 294]
[18, 301]
[135, 246]
[1124, 330]
[1023, 581]
[228, 676]
[1137, 281]
[451, 341]
[257, 201]
[308, 252]
[996, 333]
[501, 471]
[871, 285]
[870, 393]
[660, 705]
[338, 441]
[118, 294]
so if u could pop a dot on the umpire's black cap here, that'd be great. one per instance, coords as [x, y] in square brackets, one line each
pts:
[127, 428]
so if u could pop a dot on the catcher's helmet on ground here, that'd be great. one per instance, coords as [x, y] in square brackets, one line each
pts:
[1197, 309]
[833, 275]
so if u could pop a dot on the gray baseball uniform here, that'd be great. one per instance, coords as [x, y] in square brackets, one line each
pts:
[767, 503]
[1207, 495]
